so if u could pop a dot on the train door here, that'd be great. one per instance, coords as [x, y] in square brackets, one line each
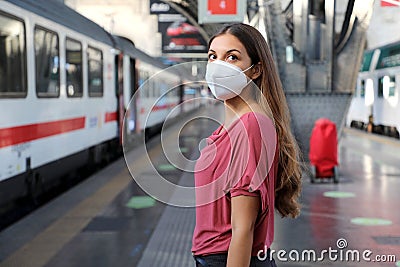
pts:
[379, 103]
[181, 97]
[369, 102]
[119, 90]
[130, 87]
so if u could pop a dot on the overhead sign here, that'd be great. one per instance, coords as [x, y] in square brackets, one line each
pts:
[221, 11]
[222, 7]
[178, 34]
[157, 7]
[390, 3]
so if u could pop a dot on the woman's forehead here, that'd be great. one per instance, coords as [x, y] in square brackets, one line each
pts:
[226, 42]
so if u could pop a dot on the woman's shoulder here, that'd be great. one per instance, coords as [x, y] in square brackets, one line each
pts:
[255, 126]
[255, 120]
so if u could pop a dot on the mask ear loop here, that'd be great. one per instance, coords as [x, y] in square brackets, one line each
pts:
[252, 65]
[249, 79]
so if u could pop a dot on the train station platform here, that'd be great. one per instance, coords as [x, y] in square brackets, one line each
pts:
[107, 220]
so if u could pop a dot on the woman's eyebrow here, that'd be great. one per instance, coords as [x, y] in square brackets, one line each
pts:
[231, 50]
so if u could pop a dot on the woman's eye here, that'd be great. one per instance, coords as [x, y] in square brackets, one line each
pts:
[211, 56]
[232, 57]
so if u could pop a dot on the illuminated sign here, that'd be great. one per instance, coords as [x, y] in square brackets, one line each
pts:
[220, 11]
[390, 3]
[221, 7]
[178, 34]
[156, 8]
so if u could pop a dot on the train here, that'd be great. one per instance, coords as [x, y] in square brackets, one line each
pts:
[375, 104]
[66, 86]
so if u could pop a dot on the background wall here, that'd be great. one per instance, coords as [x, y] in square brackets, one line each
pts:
[130, 19]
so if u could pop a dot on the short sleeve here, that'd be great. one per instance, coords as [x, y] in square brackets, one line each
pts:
[248, 165]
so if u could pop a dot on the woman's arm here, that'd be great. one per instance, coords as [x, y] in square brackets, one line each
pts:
[244, 210]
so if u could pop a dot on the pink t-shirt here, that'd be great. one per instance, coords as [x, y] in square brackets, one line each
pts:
[240, 160]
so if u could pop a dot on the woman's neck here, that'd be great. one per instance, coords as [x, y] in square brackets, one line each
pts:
[236, 107]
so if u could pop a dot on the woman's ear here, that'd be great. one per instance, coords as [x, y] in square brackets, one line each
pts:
[256, 71]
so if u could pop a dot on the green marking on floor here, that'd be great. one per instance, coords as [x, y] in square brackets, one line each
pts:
[338, 194]
[183, 149]
[141, 202]
[398, 264]
[166, 167]
[370, 221]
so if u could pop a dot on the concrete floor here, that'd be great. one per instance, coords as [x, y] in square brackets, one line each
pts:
[91, 225]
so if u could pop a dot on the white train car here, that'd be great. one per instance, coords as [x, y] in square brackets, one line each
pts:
[375, 104]
[56, 93]
[65, 87]
[150, 90]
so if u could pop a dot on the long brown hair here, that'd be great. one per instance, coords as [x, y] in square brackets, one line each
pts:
[288, 184]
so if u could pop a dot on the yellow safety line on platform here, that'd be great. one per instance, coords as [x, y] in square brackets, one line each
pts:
[41, 249]
[378, 138]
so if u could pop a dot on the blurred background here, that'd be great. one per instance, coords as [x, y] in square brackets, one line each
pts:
[95, 93]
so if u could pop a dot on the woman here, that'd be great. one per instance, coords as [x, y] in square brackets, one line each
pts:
[250, 164]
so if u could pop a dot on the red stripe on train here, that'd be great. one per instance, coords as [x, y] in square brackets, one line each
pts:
[165, 106]
[21, 134]
[110, 116]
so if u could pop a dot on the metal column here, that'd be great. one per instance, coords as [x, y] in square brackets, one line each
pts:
[300, 21]
[330, 7]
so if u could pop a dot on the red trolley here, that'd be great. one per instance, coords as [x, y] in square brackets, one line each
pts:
[323, 151]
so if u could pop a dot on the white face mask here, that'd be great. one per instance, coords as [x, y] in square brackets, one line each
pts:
[225, 80]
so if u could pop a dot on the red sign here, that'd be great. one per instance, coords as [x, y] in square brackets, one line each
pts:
[390, 3]
[222, 7]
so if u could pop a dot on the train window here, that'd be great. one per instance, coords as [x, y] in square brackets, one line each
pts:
[73, 67]
[140, 79]
[386, 86]
[380, 87]
[12, 57]
[133, 78]
[149, 89]
[362, 88]
[144, 84]
[149, 85]
[47, 63]
[95, 63]
[392, 85]
[153, 88]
